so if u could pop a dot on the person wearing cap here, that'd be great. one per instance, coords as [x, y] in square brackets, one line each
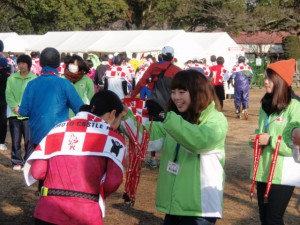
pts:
[81, 163]
[48, 98]
[279, 109]
[241, 75]
[18, 125]
[4, 74]
[160, 88]
[158, 94]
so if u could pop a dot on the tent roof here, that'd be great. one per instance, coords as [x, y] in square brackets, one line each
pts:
[13, 42]
[31, 39]
[214, 43]
[187, 45]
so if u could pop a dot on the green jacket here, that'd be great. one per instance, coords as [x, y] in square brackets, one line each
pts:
[286, 169]
[14, 91]
[197, 189]
[85, 89]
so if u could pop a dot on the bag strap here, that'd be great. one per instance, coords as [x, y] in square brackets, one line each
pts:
[164, 71]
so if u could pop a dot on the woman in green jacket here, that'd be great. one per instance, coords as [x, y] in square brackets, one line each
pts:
[75, 72]
[191, 136]
[278, 109]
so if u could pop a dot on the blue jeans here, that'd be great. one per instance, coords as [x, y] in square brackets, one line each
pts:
[145, 92]
[19, 129]
[188, 220]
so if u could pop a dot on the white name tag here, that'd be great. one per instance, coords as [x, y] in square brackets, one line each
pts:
[173, 168]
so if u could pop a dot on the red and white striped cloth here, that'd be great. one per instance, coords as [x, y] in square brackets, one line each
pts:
[82, 135]
[131, 71]
[202, 66]
[241, 67]
[118, 72]
[138, 108]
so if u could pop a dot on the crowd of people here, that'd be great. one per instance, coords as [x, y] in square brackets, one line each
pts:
[68, 109]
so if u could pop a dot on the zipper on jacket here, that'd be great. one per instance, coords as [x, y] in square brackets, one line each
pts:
[175, 160]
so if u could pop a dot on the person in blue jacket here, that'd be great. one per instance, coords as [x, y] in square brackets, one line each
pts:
[47, 99]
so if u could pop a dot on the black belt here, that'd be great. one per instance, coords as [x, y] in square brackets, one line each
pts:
[67, 193]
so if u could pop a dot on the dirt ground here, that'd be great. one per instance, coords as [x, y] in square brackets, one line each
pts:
[17, 201]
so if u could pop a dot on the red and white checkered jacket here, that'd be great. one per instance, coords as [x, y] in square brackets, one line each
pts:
[241, 67]
[118, 72]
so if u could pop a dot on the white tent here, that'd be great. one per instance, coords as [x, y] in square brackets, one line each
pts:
[13, 42]
[31, 40]
[186, 45]
[114, 41]
[219, 44]
[79, 41]
[50, 39]
[152, 40]
[140, 41]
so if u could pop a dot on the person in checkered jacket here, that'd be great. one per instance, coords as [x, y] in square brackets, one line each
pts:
[117, 77]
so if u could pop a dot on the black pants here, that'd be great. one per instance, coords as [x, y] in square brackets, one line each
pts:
[271, 213]
[3, 123]
[220, 93]
[19, 129]
[188, 220]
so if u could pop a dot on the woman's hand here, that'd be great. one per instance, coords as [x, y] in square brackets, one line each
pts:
[264, 138]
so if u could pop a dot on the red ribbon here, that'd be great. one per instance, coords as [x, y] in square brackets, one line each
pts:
[137, 152]
[272, 168]
[257, 153]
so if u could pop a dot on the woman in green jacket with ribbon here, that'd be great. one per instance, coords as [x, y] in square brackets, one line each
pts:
[278, 109]
[191, 135]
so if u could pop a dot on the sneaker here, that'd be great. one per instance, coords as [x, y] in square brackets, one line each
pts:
[152, 163]
[3, 147]
[245, 113]
[17, 167]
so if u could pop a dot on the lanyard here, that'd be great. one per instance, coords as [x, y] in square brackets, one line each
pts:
[267, 123]
[176, 152]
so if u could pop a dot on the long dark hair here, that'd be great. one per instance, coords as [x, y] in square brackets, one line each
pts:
[281, 96]
[82, 66]
[202, 93]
